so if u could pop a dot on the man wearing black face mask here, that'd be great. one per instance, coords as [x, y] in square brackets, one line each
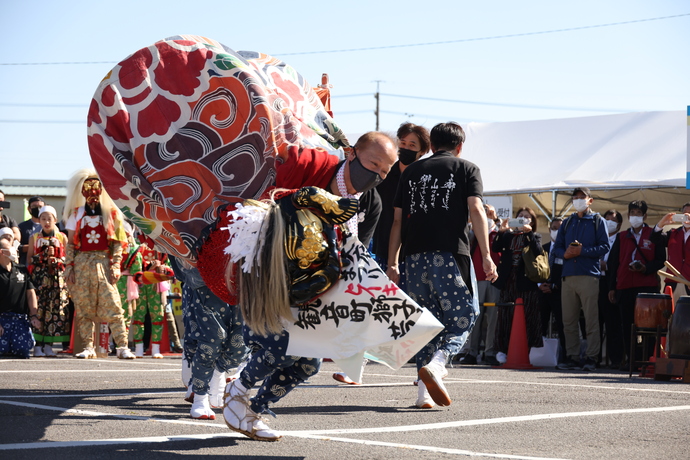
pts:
[30, 226]
[368, 165]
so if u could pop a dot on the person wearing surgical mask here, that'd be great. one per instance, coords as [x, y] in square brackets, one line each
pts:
[609, 314]
[485, 326]
[365, 167]
[30, 226]
[550, 291]
[678, 244]
[413, 142]
[513, 281]
[634, 260]
[18, 306]
[581, 242]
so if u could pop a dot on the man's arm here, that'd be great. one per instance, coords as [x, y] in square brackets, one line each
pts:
[481, 232]
[601, 245]
[32, 303]
[394, 242]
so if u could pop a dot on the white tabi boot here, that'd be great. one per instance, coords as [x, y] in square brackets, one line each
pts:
[201, 410]
[139, 350]
[156, 351]
[241, 418]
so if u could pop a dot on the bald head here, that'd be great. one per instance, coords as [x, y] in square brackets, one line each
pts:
[371, 160]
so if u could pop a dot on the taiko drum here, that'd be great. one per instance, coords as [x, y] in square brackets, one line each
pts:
[652, 310]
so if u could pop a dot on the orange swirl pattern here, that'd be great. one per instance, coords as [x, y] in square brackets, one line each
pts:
[186, 125]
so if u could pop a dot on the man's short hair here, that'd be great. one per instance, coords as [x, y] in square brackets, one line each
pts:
[447, 136]
[584, 190]
[638, 204]
[420, 131]
[34, 199]
[686, 205]
[616, 214]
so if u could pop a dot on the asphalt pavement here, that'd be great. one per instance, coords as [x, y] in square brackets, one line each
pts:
[117, 409]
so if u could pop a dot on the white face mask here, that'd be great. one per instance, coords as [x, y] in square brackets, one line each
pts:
[580, 204]
[611, 226]
[554, 233]
[636, 221]
[686, 224]
[14, 257]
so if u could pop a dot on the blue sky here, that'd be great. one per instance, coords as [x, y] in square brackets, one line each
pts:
[640, 66]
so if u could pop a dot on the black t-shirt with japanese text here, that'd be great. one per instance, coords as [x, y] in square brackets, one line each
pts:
[433, 196]
[13, 287]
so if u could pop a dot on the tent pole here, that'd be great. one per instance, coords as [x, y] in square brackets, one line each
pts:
[541, 208]
[553, 204]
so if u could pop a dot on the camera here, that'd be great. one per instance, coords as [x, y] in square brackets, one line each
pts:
[4, 204]
[518, 222]
[680, 218]
[635, 265]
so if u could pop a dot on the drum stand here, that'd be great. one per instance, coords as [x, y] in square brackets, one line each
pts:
[645, 335]
[668, 368]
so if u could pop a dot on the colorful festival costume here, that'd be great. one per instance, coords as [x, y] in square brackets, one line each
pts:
[47, 269]
[150, 301]
[94, 255]
[186, 128]
[126, 286]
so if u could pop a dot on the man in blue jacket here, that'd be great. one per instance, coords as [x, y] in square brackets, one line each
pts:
[582, 240]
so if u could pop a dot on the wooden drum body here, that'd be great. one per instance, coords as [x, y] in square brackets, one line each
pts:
[653, 310]
[679, 332]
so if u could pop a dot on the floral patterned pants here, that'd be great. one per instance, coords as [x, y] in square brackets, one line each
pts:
[95, 299]
[213, 336]
[434, 281]
[280, 373]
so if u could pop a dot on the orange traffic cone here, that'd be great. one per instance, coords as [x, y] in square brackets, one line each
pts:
[518, 351]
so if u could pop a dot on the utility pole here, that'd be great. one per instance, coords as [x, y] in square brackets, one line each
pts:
[377, 97]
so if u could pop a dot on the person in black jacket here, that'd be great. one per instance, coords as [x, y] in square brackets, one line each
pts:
[550, 296]
[513, 281]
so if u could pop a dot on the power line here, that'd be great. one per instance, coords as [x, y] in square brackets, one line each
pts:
[409, 45]
[494, 37]
[502, 104]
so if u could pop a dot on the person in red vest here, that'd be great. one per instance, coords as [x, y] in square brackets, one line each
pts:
[633, 262]
[678, 246]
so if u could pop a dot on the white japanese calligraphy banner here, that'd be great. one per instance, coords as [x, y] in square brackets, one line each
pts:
[363, 314]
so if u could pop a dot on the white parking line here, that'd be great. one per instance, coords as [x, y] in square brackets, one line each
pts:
[162, 439]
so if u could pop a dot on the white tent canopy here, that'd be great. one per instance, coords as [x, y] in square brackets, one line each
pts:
[626, 151]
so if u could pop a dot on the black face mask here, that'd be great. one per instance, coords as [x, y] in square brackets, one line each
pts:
[407, 156]
[362, 179]
[34, 212]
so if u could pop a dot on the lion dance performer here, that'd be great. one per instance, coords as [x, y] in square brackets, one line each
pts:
[185, 129]
[94, 253]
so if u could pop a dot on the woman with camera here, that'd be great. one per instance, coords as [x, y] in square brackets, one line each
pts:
[514, 235]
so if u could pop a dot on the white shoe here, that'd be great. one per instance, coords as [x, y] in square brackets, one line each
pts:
[424, 400]
[139, 350]
[201, 409]
[88, 353]
[216, 389]
[125, 353]
[48, 351]
[38, 352]
[432, 375]
[241, 418]
[156, 351]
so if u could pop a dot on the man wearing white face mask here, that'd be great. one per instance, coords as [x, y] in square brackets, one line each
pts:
[678, 245]
[633, 263]
[581, 241]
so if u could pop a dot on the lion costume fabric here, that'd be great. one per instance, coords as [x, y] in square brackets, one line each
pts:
[183, 130]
